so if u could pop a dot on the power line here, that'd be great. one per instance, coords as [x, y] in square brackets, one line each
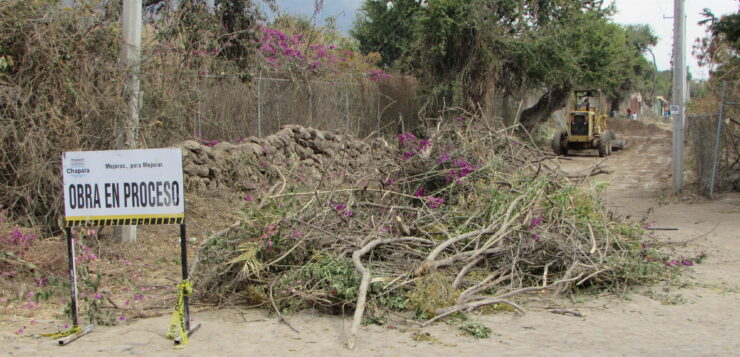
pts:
[660, 8]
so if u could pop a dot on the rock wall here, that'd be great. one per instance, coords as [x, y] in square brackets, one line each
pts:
[295, 153]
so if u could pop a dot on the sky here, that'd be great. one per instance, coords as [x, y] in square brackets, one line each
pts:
[651, 12]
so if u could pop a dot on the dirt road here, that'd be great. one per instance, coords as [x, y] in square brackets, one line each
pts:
[641, 174]
[698, 317]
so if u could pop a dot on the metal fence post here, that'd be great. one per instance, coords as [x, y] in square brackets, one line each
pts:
[720, 118]
[198, 114]
[346, 105]
[310, 106]
[378, 132]
[259, 106]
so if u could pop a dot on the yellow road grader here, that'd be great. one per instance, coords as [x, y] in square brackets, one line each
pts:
[586, 127]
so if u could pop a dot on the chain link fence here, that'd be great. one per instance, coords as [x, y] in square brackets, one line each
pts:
[229, 108]
[714, 131]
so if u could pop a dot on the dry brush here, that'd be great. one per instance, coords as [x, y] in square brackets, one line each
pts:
[465, 216]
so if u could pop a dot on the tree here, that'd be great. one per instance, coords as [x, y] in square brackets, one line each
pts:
[454, 53]
[638, 74]
[461, 49]
[387, 27]
[583, 51]
[226, 27]
[239, 21]
[719, 50]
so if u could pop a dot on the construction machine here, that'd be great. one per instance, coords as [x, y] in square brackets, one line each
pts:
[586, 127]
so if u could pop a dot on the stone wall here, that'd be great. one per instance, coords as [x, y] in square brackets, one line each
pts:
[295, 154]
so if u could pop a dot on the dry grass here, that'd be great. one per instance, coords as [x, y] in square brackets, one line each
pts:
[135, 280]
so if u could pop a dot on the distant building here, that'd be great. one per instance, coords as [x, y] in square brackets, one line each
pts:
[635, 104]
[661, 107]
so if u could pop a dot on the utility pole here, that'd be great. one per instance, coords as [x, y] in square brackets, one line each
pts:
[678, 97]
[130, 56]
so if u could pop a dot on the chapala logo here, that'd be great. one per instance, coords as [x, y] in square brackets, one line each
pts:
[77, 167]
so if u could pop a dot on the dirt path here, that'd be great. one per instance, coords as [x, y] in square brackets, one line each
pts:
[698, 319]
[641, 174]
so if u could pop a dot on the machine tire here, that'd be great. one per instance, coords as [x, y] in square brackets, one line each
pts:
[604, 144]
[559, 143]
[617, 145]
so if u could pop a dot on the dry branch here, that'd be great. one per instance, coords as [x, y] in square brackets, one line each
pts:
[500, 299]
[443, 234]
[566, 312]
[365, 282]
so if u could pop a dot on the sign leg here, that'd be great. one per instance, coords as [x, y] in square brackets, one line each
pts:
[184, 264]
[72, 276]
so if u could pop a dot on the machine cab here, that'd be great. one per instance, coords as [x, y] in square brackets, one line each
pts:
[580, 126]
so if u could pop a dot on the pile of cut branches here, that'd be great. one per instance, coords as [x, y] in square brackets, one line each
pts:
[467, 216]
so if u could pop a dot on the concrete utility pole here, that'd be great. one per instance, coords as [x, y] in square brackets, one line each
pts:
[678, 97]
[130, 56]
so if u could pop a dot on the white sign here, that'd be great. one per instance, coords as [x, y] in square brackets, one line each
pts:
[123, 187]
[675, 110]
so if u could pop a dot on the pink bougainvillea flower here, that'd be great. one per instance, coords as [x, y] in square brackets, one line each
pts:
[435, 202]
[535, 222]
[377, 74]
[423, 144]
[406, 139]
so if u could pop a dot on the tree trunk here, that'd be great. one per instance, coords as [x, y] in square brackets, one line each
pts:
[551, 101]
[475, 86]
[614, 103]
